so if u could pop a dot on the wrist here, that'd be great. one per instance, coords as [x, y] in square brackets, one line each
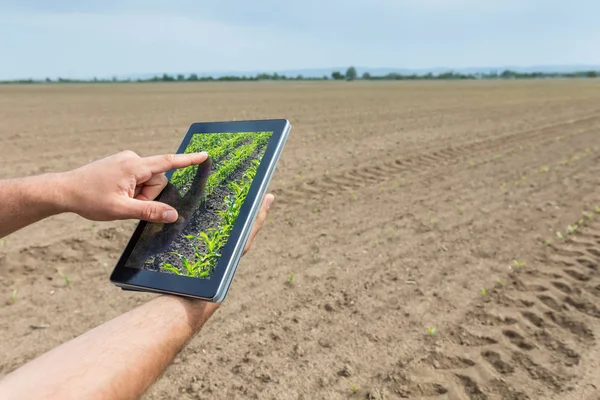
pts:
[59, 196]
[197, 312]
[43, 194]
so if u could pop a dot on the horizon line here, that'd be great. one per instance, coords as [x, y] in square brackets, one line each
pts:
[573, 68]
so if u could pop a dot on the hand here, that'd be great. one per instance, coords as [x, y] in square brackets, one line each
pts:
[124, 185]
[260, 220]
[200, 311]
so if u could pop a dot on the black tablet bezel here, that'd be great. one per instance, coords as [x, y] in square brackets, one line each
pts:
[198, 287]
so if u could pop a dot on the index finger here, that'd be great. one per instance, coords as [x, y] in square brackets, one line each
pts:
[163, 163]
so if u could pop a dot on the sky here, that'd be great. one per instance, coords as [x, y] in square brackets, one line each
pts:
[104, 38]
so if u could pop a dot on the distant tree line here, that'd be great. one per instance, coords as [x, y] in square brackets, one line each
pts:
[350, 75]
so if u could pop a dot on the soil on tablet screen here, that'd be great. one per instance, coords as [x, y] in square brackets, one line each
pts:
[428, 240]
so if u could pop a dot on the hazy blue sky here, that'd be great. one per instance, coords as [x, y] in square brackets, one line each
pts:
[83, 38]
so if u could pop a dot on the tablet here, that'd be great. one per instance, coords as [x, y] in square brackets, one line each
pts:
[217, 202]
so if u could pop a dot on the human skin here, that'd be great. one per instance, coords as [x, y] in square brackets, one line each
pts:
[123, 357]
[121, 186]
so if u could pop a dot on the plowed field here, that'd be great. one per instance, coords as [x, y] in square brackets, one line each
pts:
[444, 238]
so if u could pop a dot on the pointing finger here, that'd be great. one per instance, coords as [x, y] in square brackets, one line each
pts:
[163, 163]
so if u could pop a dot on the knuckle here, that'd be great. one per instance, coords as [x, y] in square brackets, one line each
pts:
[150, 212]
[129, 154]
[130, 163]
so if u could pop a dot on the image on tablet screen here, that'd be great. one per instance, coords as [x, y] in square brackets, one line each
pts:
[208, 199]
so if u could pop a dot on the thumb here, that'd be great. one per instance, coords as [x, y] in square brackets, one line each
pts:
[151, 211]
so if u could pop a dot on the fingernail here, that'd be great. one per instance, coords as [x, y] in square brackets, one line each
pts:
[170, 216]
[270, 201]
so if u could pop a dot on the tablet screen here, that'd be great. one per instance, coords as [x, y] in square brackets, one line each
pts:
[208, 199]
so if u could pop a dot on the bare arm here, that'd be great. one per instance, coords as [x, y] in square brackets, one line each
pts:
[121, 186]
[121, 358]
[117, 360]
[24, 201]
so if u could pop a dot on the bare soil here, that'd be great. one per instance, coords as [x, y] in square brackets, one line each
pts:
[420, 220]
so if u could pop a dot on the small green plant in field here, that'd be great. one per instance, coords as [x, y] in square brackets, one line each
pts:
[588, 215]
[484, 292]
[4, 243]
[519, 264]
[431, 331]
[597, 210]
[544, 169]
[503, 186]
[13, 296]
[559, 235]
[353, 386]
[581, 221]
[547, 243]
[499, 156]
[353, 196]
[291, 278]
[572, 228]
[65, 278]
[471, 164]
[564, 162]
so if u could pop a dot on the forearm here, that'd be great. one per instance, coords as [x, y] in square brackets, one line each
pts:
[24, 201]
[117, 360]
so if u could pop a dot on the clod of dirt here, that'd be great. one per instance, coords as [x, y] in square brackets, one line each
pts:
[328, 307]
[39, 326]
[236, 369]
[345, 372]
[298, 351]
[264, 378]
[325, 343]
[374, 394]
[440, 361]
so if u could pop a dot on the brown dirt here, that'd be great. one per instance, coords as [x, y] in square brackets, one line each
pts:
[396, 205]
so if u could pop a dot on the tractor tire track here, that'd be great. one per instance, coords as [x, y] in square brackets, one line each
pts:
[425, 164]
